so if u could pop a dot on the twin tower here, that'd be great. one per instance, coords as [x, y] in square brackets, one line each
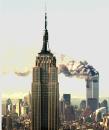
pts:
[45, 89]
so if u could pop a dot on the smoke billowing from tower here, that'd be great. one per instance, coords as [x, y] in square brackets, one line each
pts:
[81, 69]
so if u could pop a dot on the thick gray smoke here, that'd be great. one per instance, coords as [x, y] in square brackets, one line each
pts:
[79, 69]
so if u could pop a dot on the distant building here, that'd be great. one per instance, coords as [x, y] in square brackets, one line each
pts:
[20, 106]
[92, 103]
[29, 99]
[104, 103]
[26, 109]
[83, 104]
[9, 123]
[67, 99]
[14, 108]
[92, 89]
[4, 122]
[8, 106]
[4, 108]
[14, 117]
[69, 113]
[61, 110]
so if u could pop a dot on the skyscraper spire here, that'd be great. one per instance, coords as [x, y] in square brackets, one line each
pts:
[45, 21]
[45, 37]
[45, 89]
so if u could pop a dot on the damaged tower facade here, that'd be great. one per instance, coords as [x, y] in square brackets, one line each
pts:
[45, 89]
[92, 92]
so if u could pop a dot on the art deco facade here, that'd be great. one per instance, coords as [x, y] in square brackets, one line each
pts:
[45, 89]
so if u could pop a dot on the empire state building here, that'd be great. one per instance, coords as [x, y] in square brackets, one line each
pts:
[45, 89]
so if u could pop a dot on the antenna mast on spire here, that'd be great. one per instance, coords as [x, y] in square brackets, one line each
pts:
[45, 37]
[46, 20]
[45, 16]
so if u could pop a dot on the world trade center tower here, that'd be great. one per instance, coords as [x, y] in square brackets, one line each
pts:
[45, 89]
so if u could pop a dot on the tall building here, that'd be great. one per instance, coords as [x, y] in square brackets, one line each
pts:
[4, 108]
[61, 110]
[9, 122]
[69, 113]
[8, 106]
[20, 105]
[92, 89]
[67, 99]
[104, 103]
[92, 103]
[45, 89]
[83, 104]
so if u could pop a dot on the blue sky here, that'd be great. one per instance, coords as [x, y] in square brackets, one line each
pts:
[79, 29]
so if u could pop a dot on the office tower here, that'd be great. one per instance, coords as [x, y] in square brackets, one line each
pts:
[69, 113]
[92, 88]
[4, 108]
[8, 106]
[104, 103]
[4, 122]
[92, 103]
[29, 99]
[67, 98]
[9, 122]
[61, 110]
[45, 89]
[14, 108]
[20, 105]
[83, 104]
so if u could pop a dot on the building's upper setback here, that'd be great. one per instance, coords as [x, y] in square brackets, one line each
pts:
[45, 56]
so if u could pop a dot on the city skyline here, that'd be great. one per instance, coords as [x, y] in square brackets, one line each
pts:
[77, 30]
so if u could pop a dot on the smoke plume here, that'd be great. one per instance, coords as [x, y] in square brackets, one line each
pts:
[79, 69]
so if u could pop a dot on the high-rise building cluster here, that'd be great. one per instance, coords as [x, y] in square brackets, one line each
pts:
[16, 113]
[66, 110]
[42, 110]
[92, 92]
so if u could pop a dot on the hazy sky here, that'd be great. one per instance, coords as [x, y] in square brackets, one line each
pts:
[78, 29]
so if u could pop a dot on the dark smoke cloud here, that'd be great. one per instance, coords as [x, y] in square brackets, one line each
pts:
[22, 73]
[79, 69]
